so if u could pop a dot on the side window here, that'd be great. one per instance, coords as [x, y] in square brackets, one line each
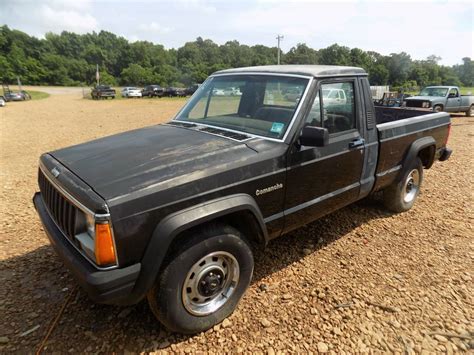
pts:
[314, 116]
[453, 92]
[338, 110]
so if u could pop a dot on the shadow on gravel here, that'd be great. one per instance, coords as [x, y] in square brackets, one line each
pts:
[37, 284]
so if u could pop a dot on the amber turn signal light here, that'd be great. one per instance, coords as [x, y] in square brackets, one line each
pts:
[104, 245]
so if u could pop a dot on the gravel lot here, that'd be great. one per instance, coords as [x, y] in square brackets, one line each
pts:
[360, 279]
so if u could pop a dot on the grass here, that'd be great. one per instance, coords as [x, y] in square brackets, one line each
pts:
[38, 95]
[466, 90]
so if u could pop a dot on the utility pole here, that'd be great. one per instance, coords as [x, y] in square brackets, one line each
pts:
[279, 38]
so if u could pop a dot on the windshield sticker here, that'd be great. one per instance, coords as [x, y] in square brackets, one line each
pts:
[277, 127]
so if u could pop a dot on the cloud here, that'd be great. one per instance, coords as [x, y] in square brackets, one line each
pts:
[155, 28]
[68, 20]
[418, 28]
[50, 16]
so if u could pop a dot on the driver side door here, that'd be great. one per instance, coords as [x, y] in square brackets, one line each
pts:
[453, 101]
[323, 179]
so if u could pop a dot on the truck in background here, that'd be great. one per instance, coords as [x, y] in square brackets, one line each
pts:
[443, 98]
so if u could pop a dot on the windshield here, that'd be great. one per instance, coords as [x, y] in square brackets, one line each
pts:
[258, 104]
[440, 92]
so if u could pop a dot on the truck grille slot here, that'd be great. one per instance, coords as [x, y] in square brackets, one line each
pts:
[414, 103]
[61, 210]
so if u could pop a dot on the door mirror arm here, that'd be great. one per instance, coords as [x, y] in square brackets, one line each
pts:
[314, 136]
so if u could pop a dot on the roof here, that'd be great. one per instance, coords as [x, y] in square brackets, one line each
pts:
[306, 70]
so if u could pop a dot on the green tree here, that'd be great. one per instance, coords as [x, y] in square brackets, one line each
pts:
[301, 54]
[136, 75]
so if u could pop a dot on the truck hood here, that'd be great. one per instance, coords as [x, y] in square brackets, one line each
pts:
[158, 155]
[423, 98]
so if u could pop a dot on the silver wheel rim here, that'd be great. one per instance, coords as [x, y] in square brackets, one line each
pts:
[210, 283]
[412, 185]
[471, 110]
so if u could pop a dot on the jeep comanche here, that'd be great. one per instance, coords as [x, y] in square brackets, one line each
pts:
[172, 212]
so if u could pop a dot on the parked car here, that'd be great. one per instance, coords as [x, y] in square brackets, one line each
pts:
[153, 91]
[443, 98]
[192, 89]
[131, 91]
[219, 92]
[17, 96]
[2, 101]
[102, 92]
[292, 94]
[172, 212]
[334, 97]
[174, 92]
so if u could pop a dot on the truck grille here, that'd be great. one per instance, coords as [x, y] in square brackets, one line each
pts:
[414, 103]
[61, 210]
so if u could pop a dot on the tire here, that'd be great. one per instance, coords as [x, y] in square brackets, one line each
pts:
[438, 108]
[401, 195]
[188, 295]
[470, 111]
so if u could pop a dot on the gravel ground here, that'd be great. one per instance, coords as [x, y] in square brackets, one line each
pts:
[358, 280]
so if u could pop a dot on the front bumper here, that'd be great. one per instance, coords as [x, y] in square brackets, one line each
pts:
[103, 286]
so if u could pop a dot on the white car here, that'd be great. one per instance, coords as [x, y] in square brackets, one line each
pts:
[218, 92]
[2, 101]
[334, 97]
[130, 91]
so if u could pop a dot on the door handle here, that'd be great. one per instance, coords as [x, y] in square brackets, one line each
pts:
[357, 143]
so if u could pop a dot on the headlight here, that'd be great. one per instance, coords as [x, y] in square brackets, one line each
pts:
[90, 225]
[425, 104]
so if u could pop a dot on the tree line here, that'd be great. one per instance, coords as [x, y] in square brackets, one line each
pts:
[70, 59]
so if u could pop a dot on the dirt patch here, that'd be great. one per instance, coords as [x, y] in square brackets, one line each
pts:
[356, 280]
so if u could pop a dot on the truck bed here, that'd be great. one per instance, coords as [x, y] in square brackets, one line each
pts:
[385, 114]
[397, 129]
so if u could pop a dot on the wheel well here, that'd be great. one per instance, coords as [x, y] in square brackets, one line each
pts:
[427, 156]
[244, 221]
[440, 105]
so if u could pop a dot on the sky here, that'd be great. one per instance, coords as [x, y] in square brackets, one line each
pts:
[419, 28]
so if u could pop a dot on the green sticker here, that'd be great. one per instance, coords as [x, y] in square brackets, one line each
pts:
[277, 127]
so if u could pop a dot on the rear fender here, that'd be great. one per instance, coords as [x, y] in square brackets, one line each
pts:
[416, 147]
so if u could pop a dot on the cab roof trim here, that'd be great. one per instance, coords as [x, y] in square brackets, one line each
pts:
[306, 70]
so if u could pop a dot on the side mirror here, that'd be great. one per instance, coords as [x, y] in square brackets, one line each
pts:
[314, 136]
[452, 94]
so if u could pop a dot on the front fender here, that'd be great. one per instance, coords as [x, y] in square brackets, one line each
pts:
[172, 225]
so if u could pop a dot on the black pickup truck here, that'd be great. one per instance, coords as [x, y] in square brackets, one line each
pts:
[102, 92]
[172, 212]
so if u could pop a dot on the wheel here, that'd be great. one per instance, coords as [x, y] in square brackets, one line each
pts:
[438, 108]
[401, 195]
[470, 111]
[203, 281]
